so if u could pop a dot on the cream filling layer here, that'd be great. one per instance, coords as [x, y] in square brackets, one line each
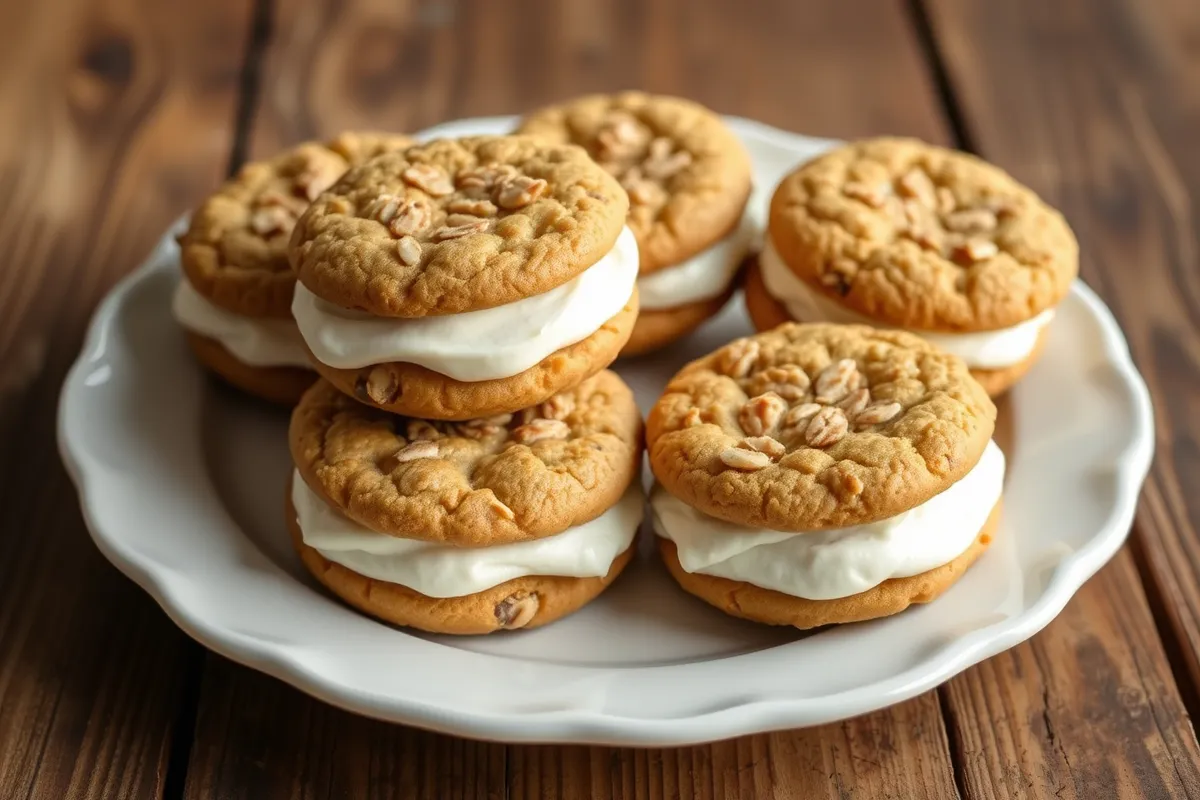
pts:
[440, 570]
[477, 345]
[702, 277]
[253, 341]
[828, 564]
[996, 349]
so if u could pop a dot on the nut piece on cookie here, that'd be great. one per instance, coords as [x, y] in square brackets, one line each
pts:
[821, 485]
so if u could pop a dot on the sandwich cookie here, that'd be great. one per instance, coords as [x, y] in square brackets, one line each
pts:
[236, 294]
[823, 473]
[466, 278]
[688, 179]
[502, 522]
[897, 233]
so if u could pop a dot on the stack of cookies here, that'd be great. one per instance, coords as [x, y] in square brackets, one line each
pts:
[823, 473]
[235, 300]
[897, 233]
[466, 464]
[688, 178]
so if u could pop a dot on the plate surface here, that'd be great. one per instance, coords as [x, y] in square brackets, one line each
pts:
[181, 484]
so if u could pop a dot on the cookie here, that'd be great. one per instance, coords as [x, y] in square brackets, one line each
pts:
[482, 482]
[687, 174]
[817, 426]
[688, 179]
[520, 603]
[466, 278]
[747, 601]
[766, 313]
[823, 473]
[457, 225]
[234, 251]
[416, 391]
[283, 385]
[899, 233]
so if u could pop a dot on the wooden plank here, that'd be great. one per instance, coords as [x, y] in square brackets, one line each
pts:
[332, 66]
[808, 66]
[1090, 106]
[882, 755]
[256, 738]
[116, 117]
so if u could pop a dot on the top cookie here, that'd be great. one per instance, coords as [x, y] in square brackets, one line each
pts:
[808, 427]
[687, 174]
[458, 225]
[235, 249]
[922, 237]
[476, 483]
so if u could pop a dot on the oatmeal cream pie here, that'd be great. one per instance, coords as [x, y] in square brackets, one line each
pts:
[466, 277]
[901, 234]
[236, 294]
[688, 179]
[823, 473]
[501, 522]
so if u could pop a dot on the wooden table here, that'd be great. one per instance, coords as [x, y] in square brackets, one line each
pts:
[117, 115]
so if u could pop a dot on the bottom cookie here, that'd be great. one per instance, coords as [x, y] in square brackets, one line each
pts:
[659, 327]
[528, 602]
[415, 391]
[282, 385]
[766, 312]
[755, 603]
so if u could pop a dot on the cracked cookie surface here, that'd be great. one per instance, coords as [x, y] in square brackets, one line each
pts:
[234, 251]
[814, 426]
[921, 237]
[687, 174]
[457, 225]
[508, 478]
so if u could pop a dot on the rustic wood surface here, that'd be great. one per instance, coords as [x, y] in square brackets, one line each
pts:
[119, 114]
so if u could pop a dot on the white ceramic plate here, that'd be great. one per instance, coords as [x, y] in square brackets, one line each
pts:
[182, 482]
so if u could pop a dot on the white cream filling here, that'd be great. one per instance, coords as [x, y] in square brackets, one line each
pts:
[477, 345]
[253, 341]
[702, 277]
[983, 350]
[441, 570]
[824, 565]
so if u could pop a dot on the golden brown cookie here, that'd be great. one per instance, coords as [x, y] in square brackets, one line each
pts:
[920, 237]
[748, 601]
[658, 328]
[687, 174]
[415, 391]
[521, 603]
[475, 483]
[235, 249]
[807, 427]
[457, 225]
[282, 385]
[766, 313]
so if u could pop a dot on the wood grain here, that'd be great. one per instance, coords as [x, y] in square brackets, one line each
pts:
[883, 755]
[115, 118]
[809, 66]
[331, 66]
[1086, 107]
